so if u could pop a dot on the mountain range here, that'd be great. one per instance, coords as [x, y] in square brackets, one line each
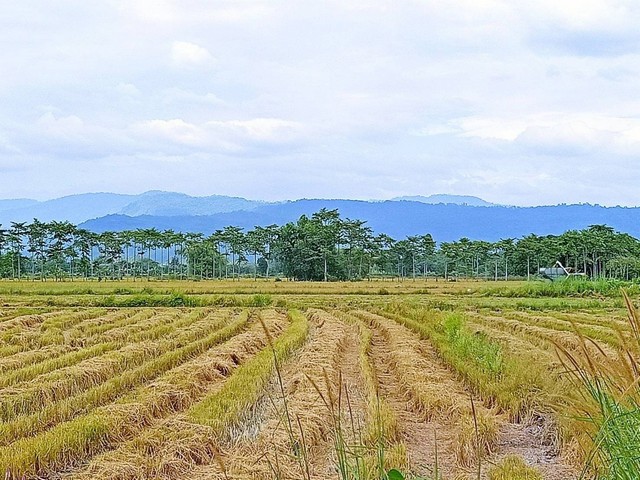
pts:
[446, 217]
[448, 199]
[87, 206]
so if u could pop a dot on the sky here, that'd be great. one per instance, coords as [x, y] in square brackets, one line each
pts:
[517, 101]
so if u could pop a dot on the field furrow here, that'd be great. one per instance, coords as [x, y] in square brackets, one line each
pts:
[607, 335]
[188, 372]
[382, 436]
[68, 381]
[63, 342]
[566, 338]
[536, 438]
[31, 321]
[143, 322]
[8, 314]
[150, 454]
[175, 446]
[20, 359]
[516, 344]
[85, 332]
[33, 331]
[112, 389]
[432, 394]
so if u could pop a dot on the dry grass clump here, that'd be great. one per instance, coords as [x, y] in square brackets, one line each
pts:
[108, 391]
[104, 345]
[87, 332]
[65, 321]
[519, 386]
[168, 452]
[513, 467]
[28, 321]
[155, 326]
[124, 332]
[172, 448]
[384, 448]
[59, 319]
[29, 372]
[497, 324]
[67, 443]
[382, 424]
[294, 434]
[33, 331]
[27, 357]
[605, 316]
[30, 357]
[71, 354]
[605, 333]
[515, 344]
[68, 381]
[477, 436]
[52, 328]
[8, 350]
[567, 339]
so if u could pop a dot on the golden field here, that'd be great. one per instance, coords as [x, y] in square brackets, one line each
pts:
[294, 380]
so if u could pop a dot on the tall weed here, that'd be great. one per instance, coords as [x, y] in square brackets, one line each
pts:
[610, 407]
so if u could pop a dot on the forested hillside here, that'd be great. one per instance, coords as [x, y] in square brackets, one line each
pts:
[445, 222]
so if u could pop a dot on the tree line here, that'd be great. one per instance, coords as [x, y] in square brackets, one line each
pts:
[323, 246]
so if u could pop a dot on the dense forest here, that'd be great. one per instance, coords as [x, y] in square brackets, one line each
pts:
[323, 246]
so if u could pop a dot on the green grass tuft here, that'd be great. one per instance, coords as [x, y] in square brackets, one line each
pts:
[513, 468]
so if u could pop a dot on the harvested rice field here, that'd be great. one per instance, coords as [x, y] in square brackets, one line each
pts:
[264, 380]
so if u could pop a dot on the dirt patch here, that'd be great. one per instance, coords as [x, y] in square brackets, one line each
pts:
[537, 445]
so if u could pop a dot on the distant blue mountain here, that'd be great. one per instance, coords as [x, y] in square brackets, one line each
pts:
[172, 204]
[16, 203]
[448, 199]
[74, 208]
[86, 206]
[446, 222]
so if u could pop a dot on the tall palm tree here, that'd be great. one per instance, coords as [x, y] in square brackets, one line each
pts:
[16, 241]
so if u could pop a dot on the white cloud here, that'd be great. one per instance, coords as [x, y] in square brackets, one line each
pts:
[565, 139]
[61, 127]
[127, 89]
[154, 11]
[186, 54]
[559, 133]
[69, 137]
[6, 147]
[185, 97]
[230, 135]
[583, 14]
[268, 130]
[491, 127]
[175, 130]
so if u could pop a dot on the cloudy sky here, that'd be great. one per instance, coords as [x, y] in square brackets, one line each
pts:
[520, 102]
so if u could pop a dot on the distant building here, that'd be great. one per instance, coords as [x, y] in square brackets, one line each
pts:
[559, 272]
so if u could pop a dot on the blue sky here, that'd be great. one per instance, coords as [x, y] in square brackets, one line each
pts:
[517, 102]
